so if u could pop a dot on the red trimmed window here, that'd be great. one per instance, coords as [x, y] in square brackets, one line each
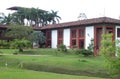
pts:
[74, 33]
[73, 38]
[118, 32]
[48, 39]
[77, 37]
[81, 32]
[60, 37]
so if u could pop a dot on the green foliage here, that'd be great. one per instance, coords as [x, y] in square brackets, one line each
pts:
[4, 44]
[6, 19]
[40, 17]
[20, 44]
[38, 37]
[19, 32]
[108, 50]
[84, 52]
[91, 46]
[62, 48]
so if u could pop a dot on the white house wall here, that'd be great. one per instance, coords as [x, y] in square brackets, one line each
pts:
[66, 37]
[54, 39]
[89, 34]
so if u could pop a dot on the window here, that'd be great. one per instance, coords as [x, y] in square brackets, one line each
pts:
[60, 36]
[74, 34]
[118, 32]
[60, 42]
[77, 37]
[73, 42]
[81, 33]
[60, 33]
[48, 34]
[81, 44]
[48, 40]
[48, 43]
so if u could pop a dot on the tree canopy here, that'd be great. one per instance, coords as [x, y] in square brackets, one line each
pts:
[19, 32]
[34, 16]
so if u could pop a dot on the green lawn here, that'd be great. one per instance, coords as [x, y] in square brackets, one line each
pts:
[48, 61]
[8, 51]
[67, 62]
[40, 51]
[28, 74]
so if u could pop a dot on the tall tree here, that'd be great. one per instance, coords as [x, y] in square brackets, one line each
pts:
[39, 38]
[108, 50]
[21, 36]
[55, 17]
[6, 19]
[38, 16]
[19, 31]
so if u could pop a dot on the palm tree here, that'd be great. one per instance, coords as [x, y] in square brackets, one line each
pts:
[6, 19]
[38, 16]
[55, 17]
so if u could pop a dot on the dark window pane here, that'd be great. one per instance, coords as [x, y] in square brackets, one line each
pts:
[81, 33]
[49, 35]
[73, 33]
[60, 33]
[81, 44]
[73, 42]
[118, 32]
[49, 43]
[60, 42]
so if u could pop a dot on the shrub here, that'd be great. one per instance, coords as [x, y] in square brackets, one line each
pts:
[62, 48]
[15, 53]
[20, 44]
[91, 46]
[108, 49]
[84, 52]
[4, 44]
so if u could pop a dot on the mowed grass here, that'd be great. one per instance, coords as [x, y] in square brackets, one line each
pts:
[8, 51]
[42, 59]
[66, 62]
[6, 73]
[41, 51]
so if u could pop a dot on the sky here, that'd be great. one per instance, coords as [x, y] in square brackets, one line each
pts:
[69, 10]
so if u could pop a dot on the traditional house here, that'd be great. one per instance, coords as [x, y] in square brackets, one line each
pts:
[79, 33]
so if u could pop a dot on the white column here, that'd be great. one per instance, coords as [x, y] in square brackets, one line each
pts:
[66, 37]
[54, 39]
[89, 34]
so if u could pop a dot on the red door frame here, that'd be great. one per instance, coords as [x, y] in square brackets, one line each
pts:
[95, 36]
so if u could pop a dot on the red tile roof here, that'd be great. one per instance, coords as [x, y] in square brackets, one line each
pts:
[83, 23]
[86, 22]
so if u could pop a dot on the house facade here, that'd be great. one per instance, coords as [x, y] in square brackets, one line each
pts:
[79, 34]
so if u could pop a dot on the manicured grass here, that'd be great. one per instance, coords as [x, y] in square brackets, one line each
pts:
[49, 61]
[8, 51]
[67, 62]
[41, 51]
[28, 74]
